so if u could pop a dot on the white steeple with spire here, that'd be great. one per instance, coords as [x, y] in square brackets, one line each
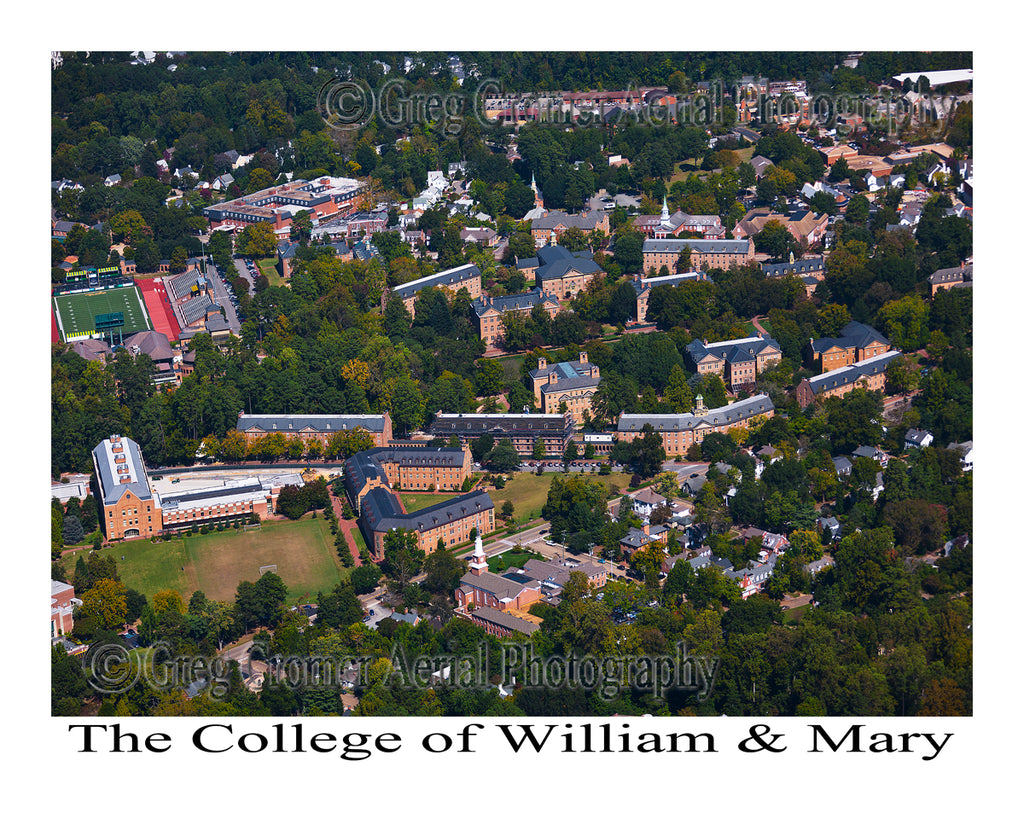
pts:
[665, 218]
[478, 565]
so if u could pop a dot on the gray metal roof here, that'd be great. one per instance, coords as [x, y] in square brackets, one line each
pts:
[737, 411]
[699, 245]
[444, 278]
[111, 472]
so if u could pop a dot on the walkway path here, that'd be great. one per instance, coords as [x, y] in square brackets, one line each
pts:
[349, 527]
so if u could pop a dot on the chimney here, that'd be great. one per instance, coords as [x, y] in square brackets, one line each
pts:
[542, 363]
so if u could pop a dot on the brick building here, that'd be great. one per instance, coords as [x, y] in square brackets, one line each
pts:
[490, 309]
[950, 277]
[738, 361]
[324, 197]
[444, 469]
[62, 609]
[704, 253]
[451, 281]
[644, 288]
[572, 383]
[320, 427]
[547, 229]
[559, 272]
[857, 342]
[451, 521]
[481, 589]
[522, 429]
[802, 224]
[129, 507]
[666, 226]
[868, 374]
[679, 431]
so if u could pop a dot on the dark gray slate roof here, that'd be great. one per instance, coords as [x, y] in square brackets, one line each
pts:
[519, 301]
[747, 408]
[384, 515]
[853, 334]
[798, 267]
[498, 423]
[320, 423]
[849, 374]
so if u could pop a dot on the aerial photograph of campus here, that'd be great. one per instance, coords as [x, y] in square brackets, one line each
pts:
[511, 384]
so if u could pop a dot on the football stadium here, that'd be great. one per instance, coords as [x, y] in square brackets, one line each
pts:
[100, 310]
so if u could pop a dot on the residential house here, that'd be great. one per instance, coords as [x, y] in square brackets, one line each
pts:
[646, 500]
[949, 277]
[966, 450]
[917, 439]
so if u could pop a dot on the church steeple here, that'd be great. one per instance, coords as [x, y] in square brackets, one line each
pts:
[478, 565]
[538, 197]
[664, 212]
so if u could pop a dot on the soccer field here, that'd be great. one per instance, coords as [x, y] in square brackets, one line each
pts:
[76, 313]
[216, 563]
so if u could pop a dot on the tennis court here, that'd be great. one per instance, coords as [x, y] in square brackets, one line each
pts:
[76, 312]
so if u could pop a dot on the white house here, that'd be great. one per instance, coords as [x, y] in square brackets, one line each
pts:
[917, 438]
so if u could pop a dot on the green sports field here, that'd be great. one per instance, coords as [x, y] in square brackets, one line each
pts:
[303, 552]
[76, 313]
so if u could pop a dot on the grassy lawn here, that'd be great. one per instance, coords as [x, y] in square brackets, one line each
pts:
[752, 331]
[267, 269]
[217, 562]
[510, 560]
[414, 501]
[794, 616]
[529, 492]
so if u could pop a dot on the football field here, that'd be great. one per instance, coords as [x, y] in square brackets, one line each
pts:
[76, 313]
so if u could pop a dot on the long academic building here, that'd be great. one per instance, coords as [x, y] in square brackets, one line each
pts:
[522, 429]
[320, 427]
[132, 508]
[373, 476]
[679, 431]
